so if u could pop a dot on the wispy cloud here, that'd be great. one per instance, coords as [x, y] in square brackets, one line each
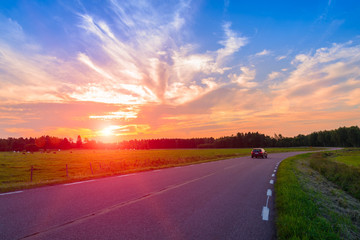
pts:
[144, 67]
[134, 58]
[245, 79]
[273, 75]
[32, 71]
[232, 44]
[332, 71]
[263, 53]
[141, 61]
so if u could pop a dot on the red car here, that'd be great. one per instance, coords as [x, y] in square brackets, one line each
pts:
[258, 152]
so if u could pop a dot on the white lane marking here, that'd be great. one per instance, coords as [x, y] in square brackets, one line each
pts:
[273, 175]
[9, 193]
[265, 213]
[271, 181]
[74, 183]
[274, 170]
[269, 193]
[126, 175]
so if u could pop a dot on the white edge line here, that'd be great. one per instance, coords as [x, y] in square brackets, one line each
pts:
[126, 175]
[74, 183]
[265, 213]
[269, 193]
[9, 193]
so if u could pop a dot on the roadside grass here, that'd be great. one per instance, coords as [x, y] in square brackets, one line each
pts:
[311, 207]
[56, 167]
[298, 215]
[339, 169]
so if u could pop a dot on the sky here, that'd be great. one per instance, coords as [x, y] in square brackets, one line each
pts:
[115, 70]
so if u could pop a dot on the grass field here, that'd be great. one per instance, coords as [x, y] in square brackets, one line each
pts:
[309, 206]
[350, 157]
[67, 166]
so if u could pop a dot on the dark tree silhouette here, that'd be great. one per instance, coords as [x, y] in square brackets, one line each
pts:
[341, 137]
[79, 142]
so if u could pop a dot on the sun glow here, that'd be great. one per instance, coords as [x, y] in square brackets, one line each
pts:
[109, 131]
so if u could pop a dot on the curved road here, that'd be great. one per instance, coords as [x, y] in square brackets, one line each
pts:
[229, 199]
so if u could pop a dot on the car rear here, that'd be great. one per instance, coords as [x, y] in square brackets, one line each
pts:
[258, 152]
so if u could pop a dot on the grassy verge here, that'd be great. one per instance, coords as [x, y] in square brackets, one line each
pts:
[298, 215]
[68, 166]
[310, 207]
[345, 176]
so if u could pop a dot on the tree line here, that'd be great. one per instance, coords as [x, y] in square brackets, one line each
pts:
[341, 137]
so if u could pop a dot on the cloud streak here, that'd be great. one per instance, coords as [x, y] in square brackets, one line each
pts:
[330, 71]
[263, 53]
[155, 66]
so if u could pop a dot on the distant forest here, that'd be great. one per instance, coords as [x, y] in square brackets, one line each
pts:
[341, 137]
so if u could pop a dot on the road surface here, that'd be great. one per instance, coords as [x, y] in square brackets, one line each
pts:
[229, 199]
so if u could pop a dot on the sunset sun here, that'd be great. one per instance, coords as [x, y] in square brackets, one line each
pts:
[109, 131]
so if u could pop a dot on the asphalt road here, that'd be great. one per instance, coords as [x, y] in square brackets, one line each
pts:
[216, 200]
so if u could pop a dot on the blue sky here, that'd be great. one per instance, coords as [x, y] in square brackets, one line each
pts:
[114, 70]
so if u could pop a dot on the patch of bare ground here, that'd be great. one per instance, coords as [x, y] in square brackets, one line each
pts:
[340, 208]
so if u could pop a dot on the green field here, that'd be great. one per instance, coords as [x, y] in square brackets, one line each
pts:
[350, 157]
[56, 167]
[317, 196]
